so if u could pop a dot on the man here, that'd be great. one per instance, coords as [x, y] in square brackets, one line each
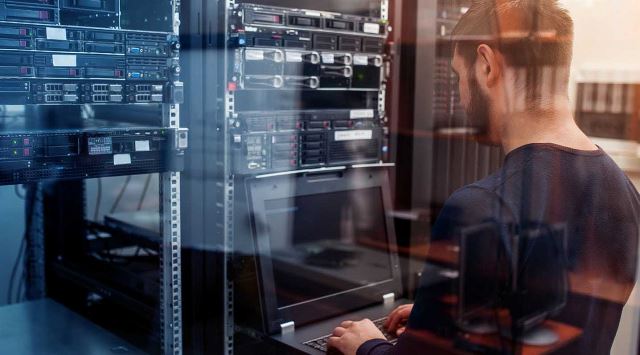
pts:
[513, 58]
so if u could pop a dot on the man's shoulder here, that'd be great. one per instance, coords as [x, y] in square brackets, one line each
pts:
[486, 187]
[479, 197]
[474, 202]
[468, 206]
[477, 191]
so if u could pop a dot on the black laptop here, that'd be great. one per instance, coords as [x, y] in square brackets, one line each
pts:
[325, 246]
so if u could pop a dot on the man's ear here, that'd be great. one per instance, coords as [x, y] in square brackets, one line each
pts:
[489, 64]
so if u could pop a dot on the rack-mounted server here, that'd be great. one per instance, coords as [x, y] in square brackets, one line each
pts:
[104, 149]
[57, 65]
[79, 45]
[308, 89]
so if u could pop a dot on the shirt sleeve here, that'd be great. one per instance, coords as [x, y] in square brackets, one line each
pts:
[375, 347]
[470, 206]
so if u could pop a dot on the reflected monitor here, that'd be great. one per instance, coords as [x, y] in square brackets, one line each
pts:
[541, 282]
[482, 271]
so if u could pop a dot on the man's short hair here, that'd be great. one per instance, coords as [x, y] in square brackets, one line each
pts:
[529, 33]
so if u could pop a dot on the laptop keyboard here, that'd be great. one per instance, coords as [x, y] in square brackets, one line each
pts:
[321, 343]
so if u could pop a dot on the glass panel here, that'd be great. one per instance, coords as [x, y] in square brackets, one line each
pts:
[280, 177]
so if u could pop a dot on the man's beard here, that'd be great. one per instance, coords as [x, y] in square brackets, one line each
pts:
[478, 111]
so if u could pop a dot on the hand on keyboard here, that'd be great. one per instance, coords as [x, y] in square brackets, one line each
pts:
[397, 320]
[350, 335]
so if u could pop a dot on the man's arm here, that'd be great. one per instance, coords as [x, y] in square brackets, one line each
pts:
[467, 207]
[376, 347]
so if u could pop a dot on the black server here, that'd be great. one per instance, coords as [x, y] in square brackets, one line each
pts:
[94, 88]
[307, 89]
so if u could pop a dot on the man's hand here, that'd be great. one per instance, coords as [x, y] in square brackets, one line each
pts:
[397, 321]
[348, 337]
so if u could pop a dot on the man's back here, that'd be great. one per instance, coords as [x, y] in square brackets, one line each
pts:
[584, 191]
[513, 62]
[551, 184]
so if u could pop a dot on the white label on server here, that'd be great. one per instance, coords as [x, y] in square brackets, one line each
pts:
[57, 33]
[328, 58]
[354, 135]
[313, 13]
[142, 146]
[295, 57]
[121, 159]
[64, 60]
[356, 114]
[360, 60]
[251, 29]
[371, 28]
[254, 55]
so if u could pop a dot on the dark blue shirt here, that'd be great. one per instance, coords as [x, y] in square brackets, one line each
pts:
[583, 190]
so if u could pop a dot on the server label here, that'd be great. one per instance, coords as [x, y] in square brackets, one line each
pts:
[142, 146]
[121, 159]
[57, 33]
[64, 60]
[371, 28]
[360, 60]
[357, 114]
[353, 135]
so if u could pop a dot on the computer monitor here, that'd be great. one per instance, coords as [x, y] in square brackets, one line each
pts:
[540, 284]
[483, 274]
[524, 273]
[325, 244]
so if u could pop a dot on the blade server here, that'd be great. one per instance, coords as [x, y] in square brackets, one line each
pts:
[99, 149]
[307, 88]
[46, 58]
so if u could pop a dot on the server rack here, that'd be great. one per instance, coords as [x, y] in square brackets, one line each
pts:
[76, 61]
[214, 187]
[215, 203]
[436, 151]
[308, 59]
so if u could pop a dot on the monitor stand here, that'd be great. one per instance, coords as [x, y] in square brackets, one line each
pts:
[536, 336]
[480, 326]
[539, 336]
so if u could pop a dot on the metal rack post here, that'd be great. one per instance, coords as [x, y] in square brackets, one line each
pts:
[170, 260]
[228, 197]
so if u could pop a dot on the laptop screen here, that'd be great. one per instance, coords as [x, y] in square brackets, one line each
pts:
[326, 244]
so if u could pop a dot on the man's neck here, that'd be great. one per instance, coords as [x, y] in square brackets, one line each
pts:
[555, 126]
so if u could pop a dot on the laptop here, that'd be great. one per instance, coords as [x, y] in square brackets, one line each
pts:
[325, 243]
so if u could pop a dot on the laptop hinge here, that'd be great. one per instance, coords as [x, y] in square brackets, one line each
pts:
[389, 298]
[288, 327]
